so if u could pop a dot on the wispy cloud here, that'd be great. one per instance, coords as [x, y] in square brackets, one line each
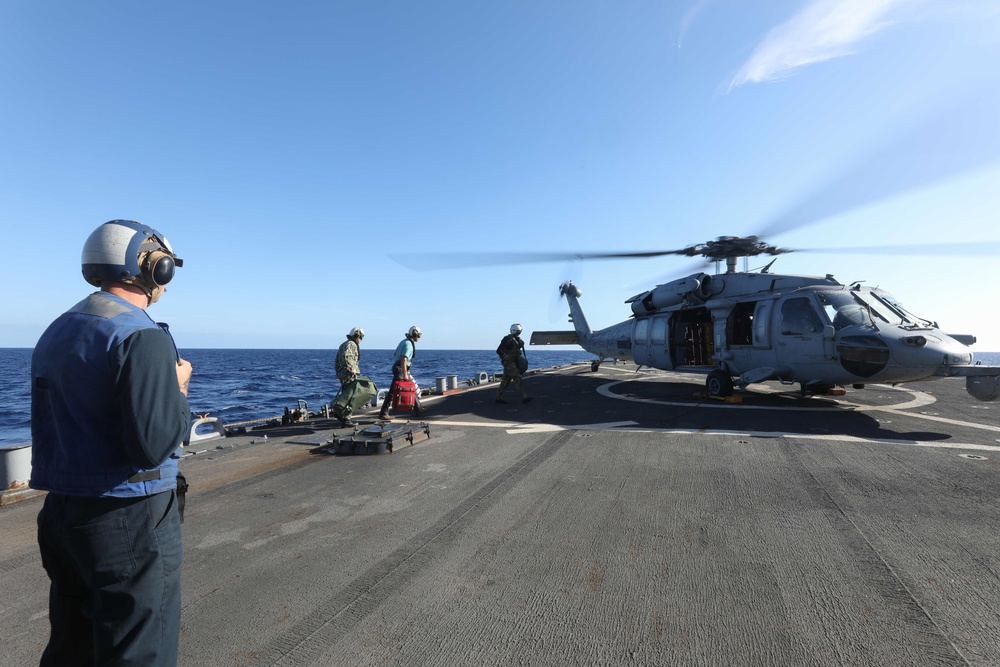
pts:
[689, 16]
[823, 30]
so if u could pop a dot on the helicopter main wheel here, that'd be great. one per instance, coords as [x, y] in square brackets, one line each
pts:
[594, 365]
[719, 383]
[815, 389]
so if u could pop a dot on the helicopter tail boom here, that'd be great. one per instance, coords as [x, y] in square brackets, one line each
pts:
[576, 316]
[614, 342]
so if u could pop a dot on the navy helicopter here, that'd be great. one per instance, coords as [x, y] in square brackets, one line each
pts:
[743, 327]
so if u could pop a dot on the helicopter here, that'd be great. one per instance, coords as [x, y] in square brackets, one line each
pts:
[740, 328]
[744, 327]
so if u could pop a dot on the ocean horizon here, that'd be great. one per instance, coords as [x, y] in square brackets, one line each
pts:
[244, 384]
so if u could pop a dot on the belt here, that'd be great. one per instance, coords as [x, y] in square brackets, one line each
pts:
[144, 476]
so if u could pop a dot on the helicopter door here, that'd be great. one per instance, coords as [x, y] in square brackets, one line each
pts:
[658, 347]
[691, 337]
[641, 352]
[800, 332]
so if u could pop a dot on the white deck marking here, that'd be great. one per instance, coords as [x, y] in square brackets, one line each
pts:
[625, 427]
[918, 400]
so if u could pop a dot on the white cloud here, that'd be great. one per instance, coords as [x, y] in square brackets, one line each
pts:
[823, 30]
[689, 16]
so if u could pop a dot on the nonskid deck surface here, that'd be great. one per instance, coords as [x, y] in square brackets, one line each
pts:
[618, 518]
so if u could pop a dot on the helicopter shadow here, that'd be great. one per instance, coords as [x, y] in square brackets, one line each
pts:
[581, 397]
[684, 405]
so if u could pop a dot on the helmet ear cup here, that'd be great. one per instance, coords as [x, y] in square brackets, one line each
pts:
[158, 268]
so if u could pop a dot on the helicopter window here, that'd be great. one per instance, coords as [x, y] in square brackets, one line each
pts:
[884, 308]
[908, 317]
[641, 331]
[878, 309]
[843, 309]
[799, 318]
[658, 331]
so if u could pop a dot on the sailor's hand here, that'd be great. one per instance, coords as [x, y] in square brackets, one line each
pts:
[183, 375]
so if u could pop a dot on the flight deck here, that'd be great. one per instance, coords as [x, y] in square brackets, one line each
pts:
[620, 518]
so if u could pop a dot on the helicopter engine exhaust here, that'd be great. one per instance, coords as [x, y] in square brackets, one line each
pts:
[693, 289]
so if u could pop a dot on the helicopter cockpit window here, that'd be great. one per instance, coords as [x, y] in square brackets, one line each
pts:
[799, 318]
[908, 317]
[843, 309]
[883, 309]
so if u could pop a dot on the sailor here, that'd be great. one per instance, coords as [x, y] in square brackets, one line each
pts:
[402, 360]
[515, 362]
[346, 365]
[109, 412]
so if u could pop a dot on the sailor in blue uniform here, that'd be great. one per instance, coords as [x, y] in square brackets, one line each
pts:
[109, 412]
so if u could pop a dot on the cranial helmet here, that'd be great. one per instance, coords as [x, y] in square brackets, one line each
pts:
[414, 332]
[515, 329]
[357, 332]
[129, 252]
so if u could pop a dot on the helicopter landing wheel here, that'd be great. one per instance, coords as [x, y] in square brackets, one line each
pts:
[719, 383]
[594, 365]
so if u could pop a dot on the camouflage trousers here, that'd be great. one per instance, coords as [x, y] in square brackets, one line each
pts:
[511, 373]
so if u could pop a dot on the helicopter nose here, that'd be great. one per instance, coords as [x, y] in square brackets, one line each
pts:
[929, 349]
[863, 355]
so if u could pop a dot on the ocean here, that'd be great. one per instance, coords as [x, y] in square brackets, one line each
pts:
[243, 385]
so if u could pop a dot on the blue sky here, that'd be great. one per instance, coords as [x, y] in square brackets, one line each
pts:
[288, 149]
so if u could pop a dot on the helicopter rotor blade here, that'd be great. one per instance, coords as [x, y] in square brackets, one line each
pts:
[458, 260]
[961, 139]
[971, 248]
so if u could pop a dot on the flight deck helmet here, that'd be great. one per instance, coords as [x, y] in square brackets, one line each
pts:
[414, 332]
[357, 332]
[129, 252]
[516, 329]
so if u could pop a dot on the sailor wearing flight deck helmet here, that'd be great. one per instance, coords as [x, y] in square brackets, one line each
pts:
[348, 356]
[109, 412]
[515, 362]
[346, 366]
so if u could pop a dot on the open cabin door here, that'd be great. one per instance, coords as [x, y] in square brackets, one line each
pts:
[691, 337]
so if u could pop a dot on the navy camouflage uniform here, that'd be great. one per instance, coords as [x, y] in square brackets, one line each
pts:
[511, 349]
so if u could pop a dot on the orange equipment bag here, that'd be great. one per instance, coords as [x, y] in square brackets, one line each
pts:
[404, 394]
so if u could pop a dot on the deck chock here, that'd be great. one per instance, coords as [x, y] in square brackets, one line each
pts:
[200, 434]
[725, 399]
[378, 439]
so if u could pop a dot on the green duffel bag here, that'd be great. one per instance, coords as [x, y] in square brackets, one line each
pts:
[353, 395]
[522, 364]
